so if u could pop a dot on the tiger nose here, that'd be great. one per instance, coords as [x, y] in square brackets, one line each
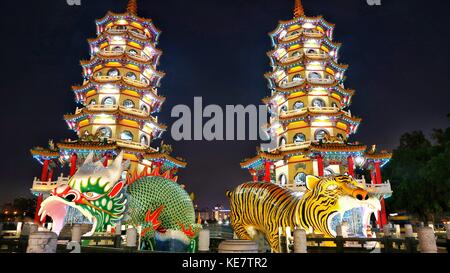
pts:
[360, 194]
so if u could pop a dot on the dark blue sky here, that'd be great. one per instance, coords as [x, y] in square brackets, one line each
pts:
[397, 52]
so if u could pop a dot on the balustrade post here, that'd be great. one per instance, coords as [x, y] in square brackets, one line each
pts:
[131, 237]
[427, 240]
[409, 231]
[447, 228]
[387, 239]
[300, 241]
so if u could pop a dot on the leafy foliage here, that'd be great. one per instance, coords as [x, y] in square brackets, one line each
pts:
[420, 174]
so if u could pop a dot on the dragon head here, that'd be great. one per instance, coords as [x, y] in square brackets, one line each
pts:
[95, 194]
[334, 198]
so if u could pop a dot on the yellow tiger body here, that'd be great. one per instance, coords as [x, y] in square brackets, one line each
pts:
[264, 207]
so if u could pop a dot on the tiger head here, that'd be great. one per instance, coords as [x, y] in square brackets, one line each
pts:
[331, 199]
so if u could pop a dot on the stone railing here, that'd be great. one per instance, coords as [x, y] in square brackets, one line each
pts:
[290, 37]
[137, 34]
[301, 111]
[48, 186]
[142, 58]
[116, 31]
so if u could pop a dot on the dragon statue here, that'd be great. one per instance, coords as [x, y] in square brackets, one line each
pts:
[264, 207]
[152, 201]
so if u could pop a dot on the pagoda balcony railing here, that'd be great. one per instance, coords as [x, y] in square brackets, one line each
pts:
[102, 107]
[321, 55]
[290, 37]
[111, 53]
[107, 78]
[320, 81]
[47, 186]
[312, 33]
[134, 145]
[291, 59]
[134, 111]
[295, 146]
[303, 110]
[116, 31]
[139, 35]
[142, 58]
[325, 110]
[135, 82]
[292, 84]
[380, 190]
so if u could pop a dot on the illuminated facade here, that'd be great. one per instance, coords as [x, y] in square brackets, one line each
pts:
[309, 115]
[117, 100]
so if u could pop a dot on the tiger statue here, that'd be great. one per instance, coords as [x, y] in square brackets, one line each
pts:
[264, 207]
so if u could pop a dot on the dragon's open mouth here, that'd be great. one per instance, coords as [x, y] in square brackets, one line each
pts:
[58, 208]
[356, 213]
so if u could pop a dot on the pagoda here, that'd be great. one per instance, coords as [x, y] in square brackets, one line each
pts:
[117, 100]
[309, 115]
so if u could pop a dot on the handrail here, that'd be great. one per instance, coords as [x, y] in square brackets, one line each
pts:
[292, 84]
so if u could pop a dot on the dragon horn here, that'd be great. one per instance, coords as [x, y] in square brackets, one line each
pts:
[167, 174]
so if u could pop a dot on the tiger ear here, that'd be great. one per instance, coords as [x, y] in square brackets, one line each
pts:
[311, 181]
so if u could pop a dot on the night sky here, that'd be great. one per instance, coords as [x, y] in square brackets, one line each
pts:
[397, 52]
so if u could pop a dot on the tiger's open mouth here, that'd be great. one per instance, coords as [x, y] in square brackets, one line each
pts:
[356, 213]
[57, 208]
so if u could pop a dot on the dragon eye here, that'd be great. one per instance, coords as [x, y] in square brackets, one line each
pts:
[332, 187]
[92, 195]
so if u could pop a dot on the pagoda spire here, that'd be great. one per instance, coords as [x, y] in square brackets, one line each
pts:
[132, 7]
[298, 10]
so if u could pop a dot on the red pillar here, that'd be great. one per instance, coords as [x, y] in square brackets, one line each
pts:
[254, 175]
[38, 207]
[267, 172]
[50, 175]
[382, 215]
[107, 158]
[351, 166]
[44, 173]
[320, 165]
[73, 164]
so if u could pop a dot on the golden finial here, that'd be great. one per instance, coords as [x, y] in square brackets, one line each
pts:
[298, 10]
[132, 7]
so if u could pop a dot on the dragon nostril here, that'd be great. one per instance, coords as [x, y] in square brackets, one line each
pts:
[70, 197]
[367, 197]
[359, 197]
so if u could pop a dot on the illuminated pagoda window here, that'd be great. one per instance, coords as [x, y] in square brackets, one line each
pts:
[318, 103]
[126, 135]
[299, 105]
[105, 132]
[300, 179]
[113, 72]
[299, 138]
[128, 104]
[109, 101]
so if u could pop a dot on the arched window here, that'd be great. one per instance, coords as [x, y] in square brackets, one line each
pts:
[328, 172]
[144, 140]
[299, 105]
[105, 132]
[296, 54]
[113, 72]
[144, 80]
[340, 136]
[299, 138]
[99, 74]
[297, 78]
[144, 108]
[132, 52]
[128, 103]
[109, 101]
[117, 49]
[314, 75]
[131, 75]
[311, 51]
[282, 179]
[300, 179]
[294, 33]
[334, 105]
[283, 108]
[92, 102]
[320, 135]
[126, 135]
[282, 142]
[318, 103]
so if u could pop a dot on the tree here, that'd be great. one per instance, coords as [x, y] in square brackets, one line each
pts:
[420, 174]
